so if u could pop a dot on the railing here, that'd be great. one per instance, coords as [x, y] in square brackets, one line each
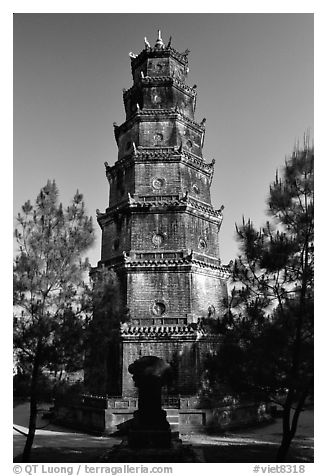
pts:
[158, 198]
[168, 401]
[144, 255]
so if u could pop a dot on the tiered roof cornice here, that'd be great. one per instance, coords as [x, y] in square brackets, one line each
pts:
[159, 81]
[162, 201]
[203, 207]
[137, 154]
[173, 112]
[175, 201]
[198, 162]
[154, 52]
[155, 331]
[146, 114]
[200, 261]
[193, 332]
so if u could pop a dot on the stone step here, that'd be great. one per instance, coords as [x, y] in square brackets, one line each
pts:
[171, 411]
[173, 418]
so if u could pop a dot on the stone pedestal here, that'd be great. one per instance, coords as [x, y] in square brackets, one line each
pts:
[150, 428]
[149, 439]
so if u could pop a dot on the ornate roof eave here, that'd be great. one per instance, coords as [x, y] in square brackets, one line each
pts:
[186, 266]
[149, 52]
[157, 80]
[169, 154]
[193, 259]
[137, 336]
[184, 262]
[160, 80]
[140, 114]
[157, 203]
[160, 331]
[198, 162]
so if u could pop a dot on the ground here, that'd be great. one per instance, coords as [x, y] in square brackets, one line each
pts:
[55, 444]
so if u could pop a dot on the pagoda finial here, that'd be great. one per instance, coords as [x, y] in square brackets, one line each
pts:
[159, 44]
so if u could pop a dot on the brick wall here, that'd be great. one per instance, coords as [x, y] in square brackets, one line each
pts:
[187, 359]
[122, 183]
[207, 290]
[171, 288]
[116, 236]
[185, 294]
[196, 183]
[179, 231]
[145, 174]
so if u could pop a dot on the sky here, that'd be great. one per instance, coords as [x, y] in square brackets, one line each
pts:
[254, 76]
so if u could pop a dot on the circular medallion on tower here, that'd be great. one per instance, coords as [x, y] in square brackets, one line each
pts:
[195, 189]
[156, 99]
[158, 137]
[189, 144]
[158, 308]
[158, 183]
[202, 244]
[159, 67]
[157, 239]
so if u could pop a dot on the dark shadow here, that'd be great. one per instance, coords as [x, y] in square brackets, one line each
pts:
[206, 453]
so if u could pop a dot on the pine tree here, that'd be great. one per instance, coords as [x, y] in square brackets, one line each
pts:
[271, 305]
[49, 298]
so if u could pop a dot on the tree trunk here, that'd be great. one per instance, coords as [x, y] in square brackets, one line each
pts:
[289, 430]
[284, 447]
[33, 408]
[286, 440]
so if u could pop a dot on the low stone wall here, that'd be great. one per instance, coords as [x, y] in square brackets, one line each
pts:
[117, 413]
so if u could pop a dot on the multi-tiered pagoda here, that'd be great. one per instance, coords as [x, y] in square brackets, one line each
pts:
[160, 232]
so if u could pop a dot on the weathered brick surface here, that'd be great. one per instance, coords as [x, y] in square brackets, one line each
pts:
[159, 129]
[185, 294]
[123, 184]
[179, 231]
[196, 183]
[146, 173]
[171, 288]
[187, 359]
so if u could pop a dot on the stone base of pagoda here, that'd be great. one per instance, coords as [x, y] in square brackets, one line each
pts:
[115, 414]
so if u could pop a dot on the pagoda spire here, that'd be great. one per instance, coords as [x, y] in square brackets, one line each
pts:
[159, 43]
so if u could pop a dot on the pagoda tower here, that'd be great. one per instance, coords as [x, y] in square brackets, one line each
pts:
[160, 232]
